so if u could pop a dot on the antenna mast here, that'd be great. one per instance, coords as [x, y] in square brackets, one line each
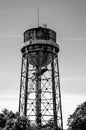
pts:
[38, 15]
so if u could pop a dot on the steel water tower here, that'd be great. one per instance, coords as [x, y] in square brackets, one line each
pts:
[40, 95]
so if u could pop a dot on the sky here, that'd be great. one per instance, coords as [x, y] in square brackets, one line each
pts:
[68, 19]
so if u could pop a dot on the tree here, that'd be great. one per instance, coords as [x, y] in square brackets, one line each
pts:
[7, 116]
[21, 123]
[50, 125]
[77, 121]
[13, 121]
[2, 120]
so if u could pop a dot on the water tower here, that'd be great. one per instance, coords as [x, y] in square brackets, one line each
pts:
[40, 95]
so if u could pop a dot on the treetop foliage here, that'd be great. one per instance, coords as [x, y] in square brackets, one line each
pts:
[12, 121]
[77, 121]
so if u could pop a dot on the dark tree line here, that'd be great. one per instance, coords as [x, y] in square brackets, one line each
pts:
[13, 121]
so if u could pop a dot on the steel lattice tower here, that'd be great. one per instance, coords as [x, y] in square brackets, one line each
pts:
[40, 96]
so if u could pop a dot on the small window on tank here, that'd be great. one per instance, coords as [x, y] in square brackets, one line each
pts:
[46, 34]
[39, 34]
[26, 37]
[34, 34]
[31, 35]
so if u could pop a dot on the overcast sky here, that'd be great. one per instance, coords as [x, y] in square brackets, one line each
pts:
[68, 19]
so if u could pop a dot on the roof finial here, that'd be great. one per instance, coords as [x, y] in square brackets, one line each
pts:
[38, 15]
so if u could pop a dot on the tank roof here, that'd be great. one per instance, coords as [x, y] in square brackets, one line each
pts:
[37, 28]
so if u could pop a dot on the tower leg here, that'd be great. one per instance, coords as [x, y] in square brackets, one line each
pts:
[38, 92]
[20, 86]
[23, 99]
[38, 97]
[59, 89]
[26, 87]
[54, 92]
